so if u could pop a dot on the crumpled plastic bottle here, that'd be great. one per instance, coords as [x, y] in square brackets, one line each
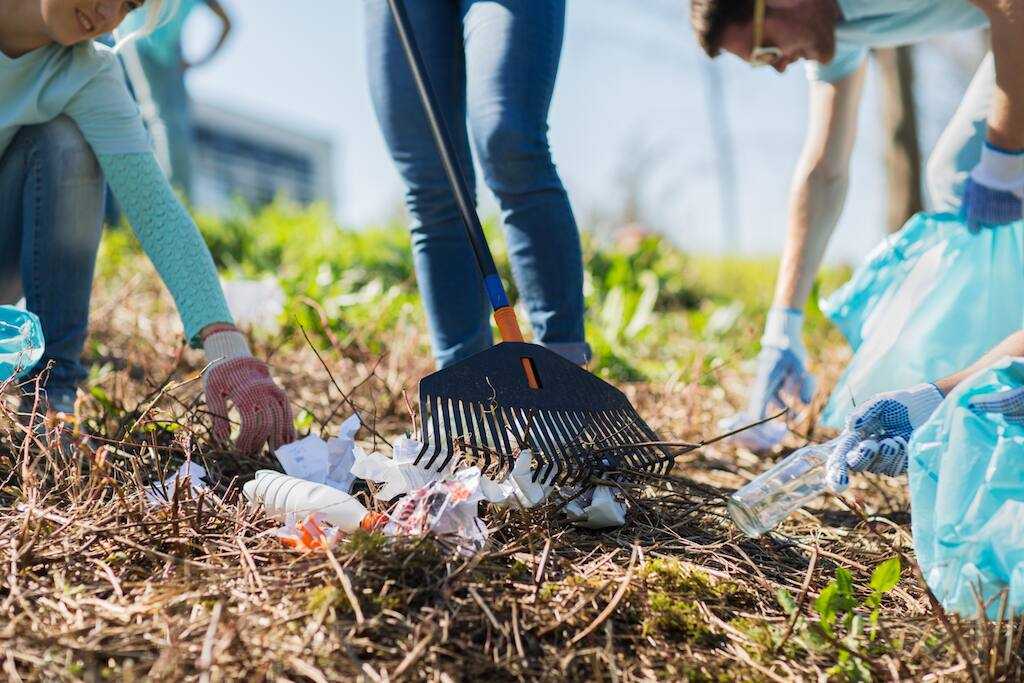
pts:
[929, 301]
[21, 342]
[967, 498]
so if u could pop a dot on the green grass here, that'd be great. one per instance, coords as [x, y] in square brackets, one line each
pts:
[652, 310]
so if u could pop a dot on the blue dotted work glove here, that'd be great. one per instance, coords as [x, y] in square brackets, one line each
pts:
[1009, 403]
[876, 434]
[994, 193]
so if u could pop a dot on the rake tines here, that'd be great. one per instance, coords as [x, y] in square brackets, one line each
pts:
[576, 425]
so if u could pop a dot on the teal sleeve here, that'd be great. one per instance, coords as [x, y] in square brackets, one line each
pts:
[170, 238]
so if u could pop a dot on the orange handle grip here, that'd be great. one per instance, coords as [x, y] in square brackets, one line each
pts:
[508, 326]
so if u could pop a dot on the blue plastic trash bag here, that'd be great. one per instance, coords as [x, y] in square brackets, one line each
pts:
[966, 475]
[929, 301]
[21, 342]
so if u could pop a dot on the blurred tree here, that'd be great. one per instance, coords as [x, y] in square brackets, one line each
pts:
[903, 152]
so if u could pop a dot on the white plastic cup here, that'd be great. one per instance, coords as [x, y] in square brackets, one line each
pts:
[281, 495]
[764, 503]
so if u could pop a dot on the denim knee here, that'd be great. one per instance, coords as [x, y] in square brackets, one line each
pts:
[62, 142]
[516, 157]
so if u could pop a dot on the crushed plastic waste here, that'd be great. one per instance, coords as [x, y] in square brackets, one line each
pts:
[324, 462]
[21, 342]
[597, 509]
[313, 496]
[188, 475]
[282, 495]
[307, 533]
[967, 498]
[928, 301]
[445, 507]
[256, 303]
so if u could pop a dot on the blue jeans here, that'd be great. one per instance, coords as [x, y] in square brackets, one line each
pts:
[494, 63]
[51, 210]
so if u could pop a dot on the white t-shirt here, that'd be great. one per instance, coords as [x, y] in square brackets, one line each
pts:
[888, 23]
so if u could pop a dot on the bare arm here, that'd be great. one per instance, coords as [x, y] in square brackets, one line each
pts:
[1006, 118]
[225, 21]
[1011, 346]
[819, 185]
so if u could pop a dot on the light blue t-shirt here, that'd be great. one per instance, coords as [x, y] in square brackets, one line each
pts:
[163, 44]
[85, 82]
[888, 23]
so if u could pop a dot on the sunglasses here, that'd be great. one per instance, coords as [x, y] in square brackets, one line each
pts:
[760, 55]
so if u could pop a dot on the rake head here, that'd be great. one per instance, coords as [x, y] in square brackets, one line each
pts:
[575, 424]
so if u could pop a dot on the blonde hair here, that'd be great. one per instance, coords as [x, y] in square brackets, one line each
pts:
[158, 13]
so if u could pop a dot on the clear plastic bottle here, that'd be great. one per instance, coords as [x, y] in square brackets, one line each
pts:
[280, 495]
[761, 505]
[21, 342]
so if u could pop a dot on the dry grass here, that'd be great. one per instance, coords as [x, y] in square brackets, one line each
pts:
[94, 584]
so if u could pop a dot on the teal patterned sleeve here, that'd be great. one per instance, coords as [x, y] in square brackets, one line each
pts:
[170, 238]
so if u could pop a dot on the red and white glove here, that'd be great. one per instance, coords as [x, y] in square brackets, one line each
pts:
[234, 375]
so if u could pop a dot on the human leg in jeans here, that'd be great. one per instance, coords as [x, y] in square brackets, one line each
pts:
[449, 280]
[512, 54]
[51, 209]
[511, 134]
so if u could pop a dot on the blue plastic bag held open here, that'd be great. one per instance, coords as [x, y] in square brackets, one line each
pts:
[966, 474]
[929, 301]
[21, 342]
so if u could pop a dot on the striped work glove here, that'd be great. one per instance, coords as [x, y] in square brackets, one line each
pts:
[234, 375]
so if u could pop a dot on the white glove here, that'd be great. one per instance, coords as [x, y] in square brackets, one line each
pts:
[781, 374]
[876, 434]
[1009, 403]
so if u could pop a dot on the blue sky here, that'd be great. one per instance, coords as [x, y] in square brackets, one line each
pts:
[632, 94]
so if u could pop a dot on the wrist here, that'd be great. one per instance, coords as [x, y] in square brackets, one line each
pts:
[999, 168]
[224, 345]
[921, 402]
[783, 329]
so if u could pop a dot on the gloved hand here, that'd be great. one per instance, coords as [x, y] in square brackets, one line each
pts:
[876, 434]
[1010, 403]
[781, 374]
[995, 189]
[234, 375]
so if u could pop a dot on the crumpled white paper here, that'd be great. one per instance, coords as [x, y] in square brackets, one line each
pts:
[324, 462]
[598, 510]
[447, 507]
[518, 486]
[399, 474]
[161, 493]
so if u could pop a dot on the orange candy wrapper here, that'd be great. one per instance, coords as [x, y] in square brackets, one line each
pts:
[312, 533]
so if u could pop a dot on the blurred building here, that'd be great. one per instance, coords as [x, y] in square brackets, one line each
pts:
[243, 156]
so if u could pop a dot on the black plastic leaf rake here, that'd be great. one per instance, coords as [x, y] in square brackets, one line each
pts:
[517, 395]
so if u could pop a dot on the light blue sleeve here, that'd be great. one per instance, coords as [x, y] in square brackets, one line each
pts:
[170, 238]
[103, 108]
[847, 60]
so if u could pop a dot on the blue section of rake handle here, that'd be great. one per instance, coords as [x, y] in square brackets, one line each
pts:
[495, 292]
